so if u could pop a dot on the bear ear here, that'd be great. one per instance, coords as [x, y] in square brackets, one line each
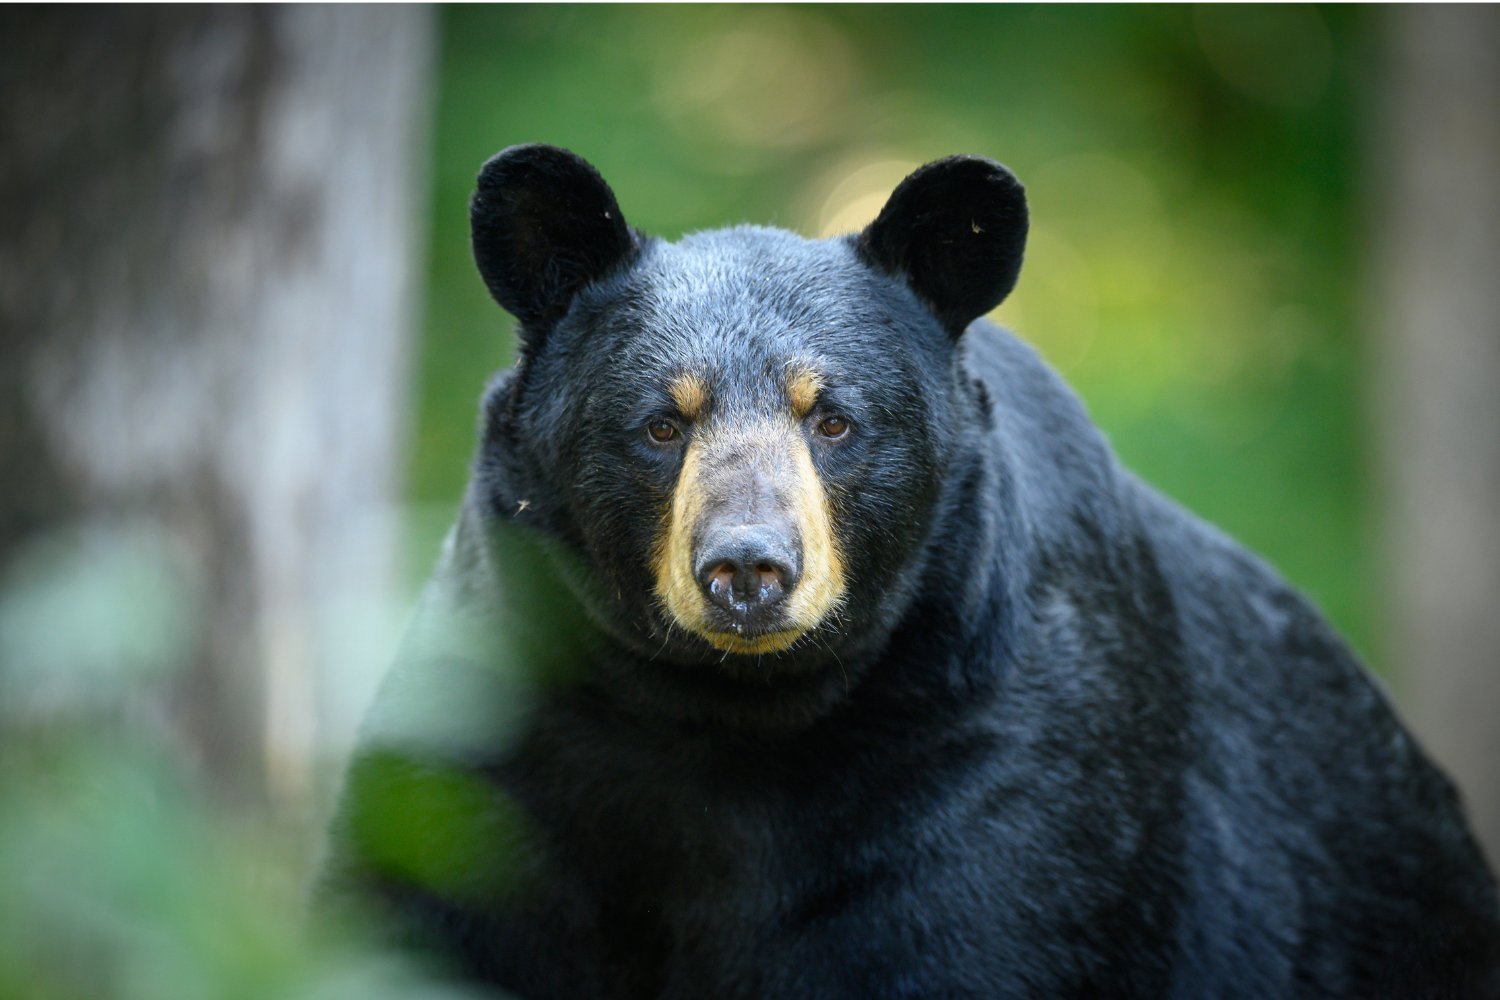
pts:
[545, 225]
[955, 230]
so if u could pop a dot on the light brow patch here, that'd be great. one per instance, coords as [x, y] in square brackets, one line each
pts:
[802, 388]
[690, 395]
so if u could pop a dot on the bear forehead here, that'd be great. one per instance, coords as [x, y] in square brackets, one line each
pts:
[752, 293]
[745, 252]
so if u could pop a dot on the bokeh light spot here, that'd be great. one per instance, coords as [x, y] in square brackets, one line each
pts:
[766, 77]
[851, 195]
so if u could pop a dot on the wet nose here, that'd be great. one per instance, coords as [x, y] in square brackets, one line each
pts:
[748, 569]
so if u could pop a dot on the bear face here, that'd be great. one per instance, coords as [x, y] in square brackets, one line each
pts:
[744, 436]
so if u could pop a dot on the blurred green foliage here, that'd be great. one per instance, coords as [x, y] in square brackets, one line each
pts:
[124, 872]
[120, 882]
[1193, 175]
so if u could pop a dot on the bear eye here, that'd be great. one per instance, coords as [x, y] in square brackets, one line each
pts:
[661, 431]
[833, 427]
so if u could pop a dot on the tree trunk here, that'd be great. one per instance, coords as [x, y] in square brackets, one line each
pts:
[1437, 398]
[207, 250]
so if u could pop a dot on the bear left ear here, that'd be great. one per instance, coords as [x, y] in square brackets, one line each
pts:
[545, 225]
[955, 230]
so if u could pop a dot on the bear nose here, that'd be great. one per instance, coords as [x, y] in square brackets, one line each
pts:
[747, 569]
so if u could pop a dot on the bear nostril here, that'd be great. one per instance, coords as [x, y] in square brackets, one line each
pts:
[721, 582]
[743, 571]
[771, 580]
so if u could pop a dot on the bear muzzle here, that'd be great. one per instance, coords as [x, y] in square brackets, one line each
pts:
[747, 559]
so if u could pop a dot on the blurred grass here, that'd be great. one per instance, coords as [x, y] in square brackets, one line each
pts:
[1192, 173]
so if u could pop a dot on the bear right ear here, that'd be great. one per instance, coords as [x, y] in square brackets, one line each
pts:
[955, 230]
[545, 225]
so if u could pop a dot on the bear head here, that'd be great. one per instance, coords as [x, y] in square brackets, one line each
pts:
[737, 444]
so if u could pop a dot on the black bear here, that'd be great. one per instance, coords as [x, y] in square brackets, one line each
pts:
[801, 638]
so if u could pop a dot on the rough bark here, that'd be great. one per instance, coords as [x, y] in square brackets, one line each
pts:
[206, 294]
[1437, 393]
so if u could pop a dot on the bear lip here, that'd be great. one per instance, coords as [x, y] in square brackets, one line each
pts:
[751, 642]
[748, 622]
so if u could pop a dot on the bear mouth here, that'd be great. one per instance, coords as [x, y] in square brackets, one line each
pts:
[753, 641]
[764, 630]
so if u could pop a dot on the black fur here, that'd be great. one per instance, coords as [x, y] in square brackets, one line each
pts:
[956, 231]
[1063, 740]
[545, 225]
